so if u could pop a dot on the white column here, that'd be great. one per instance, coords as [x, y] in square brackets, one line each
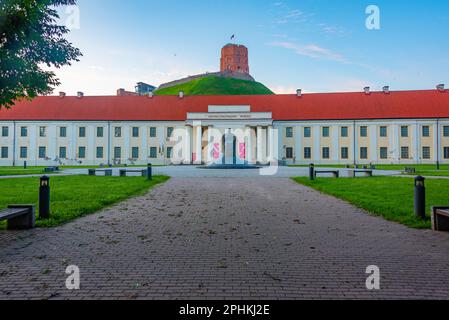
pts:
[373, 143]
[198, 151]
[259, 144]
[316, 137]
[335, 144]
[249, 145]
[416, 143]
[271, 144]
[143, 154]
[298, 144]
[187, 145]
[435, 141]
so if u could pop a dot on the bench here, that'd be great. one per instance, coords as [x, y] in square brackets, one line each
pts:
[368, 173]
[410, 170]
[107, 172]
[440, 218]
[19, 217]
[51, 169]
[335, 173]
[124, 172]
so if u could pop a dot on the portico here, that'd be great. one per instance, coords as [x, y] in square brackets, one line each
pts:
[231, 135]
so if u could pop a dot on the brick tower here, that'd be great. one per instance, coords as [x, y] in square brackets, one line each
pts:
[234, 58]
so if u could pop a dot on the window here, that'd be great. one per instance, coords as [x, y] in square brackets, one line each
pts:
[307, 153]
[42, 152]
[117, 153]
[344, 153]
[82, 132]
[426, 131]
[289, 132]
[135, 153]
[364, 131]
[383, 132]
[135, 132]
[42, 132]
[4, 152]
[153, 152]
[23, 131]
[404, 153]
[426, 153]
[153, 132]
[289, 153]
[446, 131]
[100, 153]
[446, 152]
[62, 132]
[118, 132]
[344, 132]
[100, 132]
[62, 153]
[384, 153]
[23, 152]
[326, 153]
[169, 132]
[307, 132]
[82, 152]
[404, 131]
[169, 152]
[363, 153]
[5, 131]
[325, 132]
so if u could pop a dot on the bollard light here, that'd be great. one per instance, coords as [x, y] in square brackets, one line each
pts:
[312, 171]
[24, 164]
[150, 172]
[44, 198]
[420, 197]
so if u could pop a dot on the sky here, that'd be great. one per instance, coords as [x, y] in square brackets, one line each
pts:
[315, 45]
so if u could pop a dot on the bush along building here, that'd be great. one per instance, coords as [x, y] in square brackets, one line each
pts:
[387, 127]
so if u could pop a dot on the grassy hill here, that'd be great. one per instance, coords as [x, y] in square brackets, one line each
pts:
[216, 86]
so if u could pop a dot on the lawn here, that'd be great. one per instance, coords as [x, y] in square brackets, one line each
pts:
[74, 196]
[389, 197]
[20, 171]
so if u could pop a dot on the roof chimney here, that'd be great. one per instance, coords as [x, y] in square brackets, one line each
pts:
[367, 90]
[299, 92]
[181, 94]
[386, 89]
[62, 94]
[120, 92]
[440, 87]
[80, 94]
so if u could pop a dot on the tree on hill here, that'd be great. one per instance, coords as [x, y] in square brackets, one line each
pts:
[29, 39]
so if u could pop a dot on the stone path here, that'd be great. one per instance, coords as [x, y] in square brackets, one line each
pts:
[221, 238]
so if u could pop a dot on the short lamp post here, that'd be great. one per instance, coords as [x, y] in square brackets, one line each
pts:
[44, 198]
[150, 172]
[420, 197]
[25, 165]
[312, 171]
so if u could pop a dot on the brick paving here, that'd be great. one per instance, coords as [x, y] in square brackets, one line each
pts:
[216, 238]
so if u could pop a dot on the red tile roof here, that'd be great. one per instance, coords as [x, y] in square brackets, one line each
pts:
[320, 106]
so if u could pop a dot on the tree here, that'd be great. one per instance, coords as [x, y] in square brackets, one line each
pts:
[30, 38]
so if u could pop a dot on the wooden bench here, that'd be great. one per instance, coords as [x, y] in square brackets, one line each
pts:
[19, 217]
[124, 172]
[333, 172]
[107, 172]
[440, 218]
[410, 170]
[51, 169]
[368, 173]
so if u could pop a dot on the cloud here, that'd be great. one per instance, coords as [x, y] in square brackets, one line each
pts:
[311, 50]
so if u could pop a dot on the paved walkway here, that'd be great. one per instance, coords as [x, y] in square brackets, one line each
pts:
[226, 238]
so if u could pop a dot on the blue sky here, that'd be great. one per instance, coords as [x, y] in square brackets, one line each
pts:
[316, 45]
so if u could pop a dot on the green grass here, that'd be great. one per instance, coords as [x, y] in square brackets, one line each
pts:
[389, 197]
[17, 171]
[217, 86]
[74, 196]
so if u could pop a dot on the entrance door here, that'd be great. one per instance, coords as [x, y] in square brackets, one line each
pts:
[230, 145]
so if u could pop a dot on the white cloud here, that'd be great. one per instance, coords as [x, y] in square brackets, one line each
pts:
[311, 50]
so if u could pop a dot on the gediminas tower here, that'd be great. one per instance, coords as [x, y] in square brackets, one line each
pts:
[234, 58]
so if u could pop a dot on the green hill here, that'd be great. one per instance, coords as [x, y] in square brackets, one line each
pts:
[217, 86]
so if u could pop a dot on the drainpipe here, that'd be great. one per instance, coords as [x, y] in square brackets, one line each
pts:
[438, 144]
[109, 143]
[14, 145]
[353, 145]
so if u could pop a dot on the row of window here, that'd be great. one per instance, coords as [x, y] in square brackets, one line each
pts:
[82, 132]
[344, 153]
[383, 131]
[42, 152]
